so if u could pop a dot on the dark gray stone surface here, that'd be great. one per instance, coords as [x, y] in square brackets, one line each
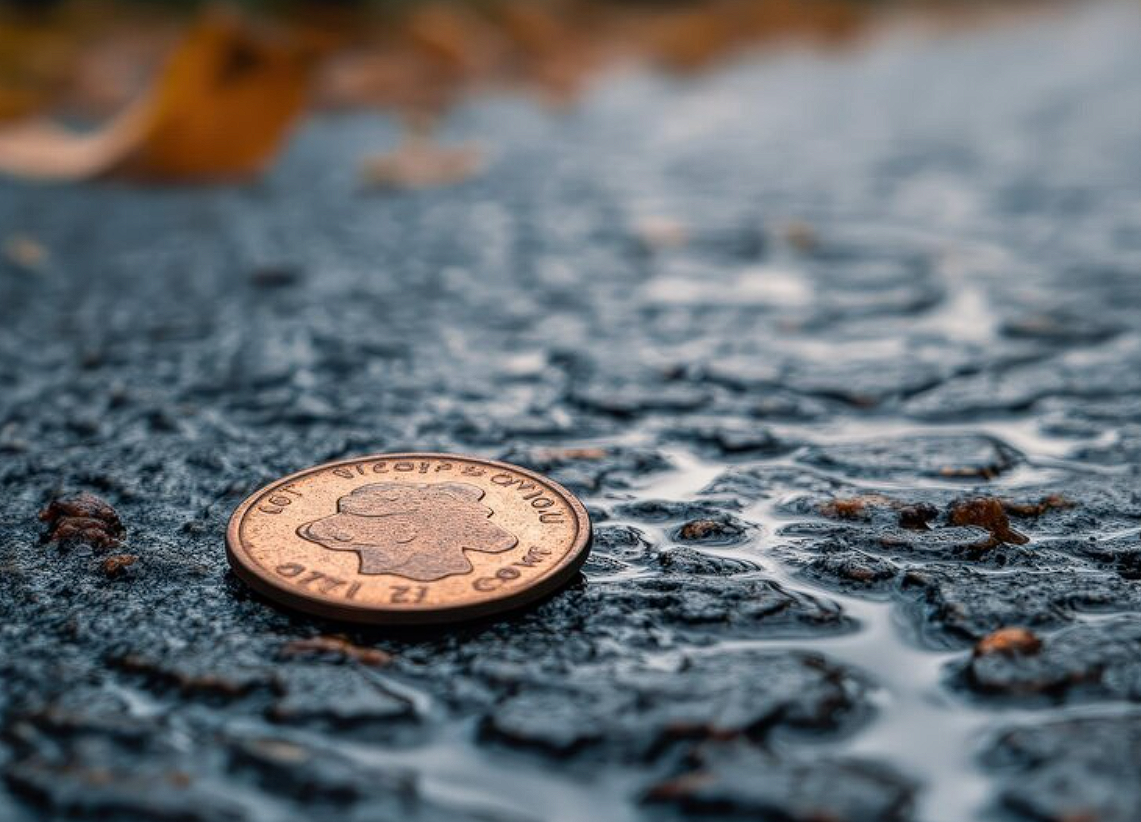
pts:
[1083, 768]
[819, 471]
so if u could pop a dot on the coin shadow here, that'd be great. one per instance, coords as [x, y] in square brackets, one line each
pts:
[365, 633]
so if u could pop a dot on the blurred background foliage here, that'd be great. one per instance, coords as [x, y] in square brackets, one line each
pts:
[190, 89]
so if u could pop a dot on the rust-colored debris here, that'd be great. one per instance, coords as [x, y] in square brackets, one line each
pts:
[982, 472]
[338, 646]
[117, 564]
[568, 454]
[421, 163]
[1081, 816]
[179, 779]
[679, 787]
[1009, 641]
[278, 750]
[861, 572]
[701, 529]
[1037, 509]
[84, 518]
[854, 507]
[657, 233]
[988, 513]
[24, 252]
[917, 517]
[801, 236]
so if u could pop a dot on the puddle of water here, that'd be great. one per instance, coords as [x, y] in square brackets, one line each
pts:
[920, 727]
[452, 772]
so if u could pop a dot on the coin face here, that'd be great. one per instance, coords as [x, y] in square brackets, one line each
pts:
[408, 538]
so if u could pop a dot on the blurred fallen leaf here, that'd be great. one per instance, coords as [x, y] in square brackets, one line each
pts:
[219, 109]
[230, 90]
[420, 163]
[659, 232]
[23, 251]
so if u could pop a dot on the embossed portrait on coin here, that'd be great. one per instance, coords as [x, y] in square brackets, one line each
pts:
[419, 531]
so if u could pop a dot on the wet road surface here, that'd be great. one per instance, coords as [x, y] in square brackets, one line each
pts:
[842, 351]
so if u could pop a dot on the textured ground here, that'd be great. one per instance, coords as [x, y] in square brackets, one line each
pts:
[824, 465]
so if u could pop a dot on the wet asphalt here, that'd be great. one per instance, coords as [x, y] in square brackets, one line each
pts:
[842, 351]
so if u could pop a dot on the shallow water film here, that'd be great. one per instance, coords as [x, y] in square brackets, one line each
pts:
[842, 351]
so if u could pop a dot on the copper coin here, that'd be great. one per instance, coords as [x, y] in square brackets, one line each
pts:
[408, 538]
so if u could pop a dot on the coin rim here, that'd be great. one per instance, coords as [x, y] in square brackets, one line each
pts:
[247, 569]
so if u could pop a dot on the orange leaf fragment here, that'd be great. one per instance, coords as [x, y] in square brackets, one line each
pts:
[219, 109]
